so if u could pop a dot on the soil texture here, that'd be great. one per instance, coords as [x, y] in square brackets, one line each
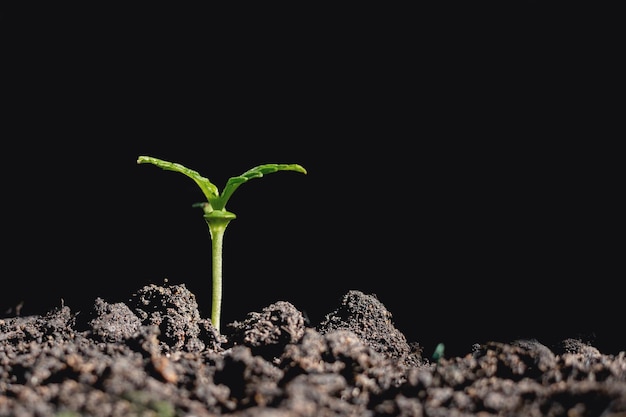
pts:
[154, 355]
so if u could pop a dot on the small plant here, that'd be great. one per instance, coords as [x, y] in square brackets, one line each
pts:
[439, 352]
[215, 214]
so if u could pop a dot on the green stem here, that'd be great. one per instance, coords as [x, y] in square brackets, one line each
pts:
[217, 221]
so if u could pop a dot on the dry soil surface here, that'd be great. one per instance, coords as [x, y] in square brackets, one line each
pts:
[156, 356]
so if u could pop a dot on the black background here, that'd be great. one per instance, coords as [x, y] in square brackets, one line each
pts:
[464, 170]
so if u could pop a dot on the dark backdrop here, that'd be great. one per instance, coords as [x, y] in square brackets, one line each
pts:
[461, 174]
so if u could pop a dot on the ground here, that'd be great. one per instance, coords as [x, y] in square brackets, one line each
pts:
[156, 356]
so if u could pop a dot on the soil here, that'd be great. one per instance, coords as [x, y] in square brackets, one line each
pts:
[156, 356]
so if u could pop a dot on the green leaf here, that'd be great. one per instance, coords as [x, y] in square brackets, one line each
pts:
[256, 172]
[209, 190]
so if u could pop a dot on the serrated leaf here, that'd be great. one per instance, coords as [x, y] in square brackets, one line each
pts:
[209, 189]
[257, 172]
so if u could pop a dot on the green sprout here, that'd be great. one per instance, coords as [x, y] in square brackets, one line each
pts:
[439, 352]
[215, 214]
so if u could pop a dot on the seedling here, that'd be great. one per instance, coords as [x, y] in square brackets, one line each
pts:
[439, 352]
[215, 214]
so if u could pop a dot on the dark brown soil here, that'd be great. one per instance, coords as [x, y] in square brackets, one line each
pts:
[156, 356]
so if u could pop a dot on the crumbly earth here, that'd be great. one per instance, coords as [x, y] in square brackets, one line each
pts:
[155, 356]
